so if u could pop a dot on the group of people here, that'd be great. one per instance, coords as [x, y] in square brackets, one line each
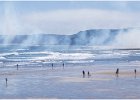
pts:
[84, 74]
[117, 72]
[6, 79]
[62, 64]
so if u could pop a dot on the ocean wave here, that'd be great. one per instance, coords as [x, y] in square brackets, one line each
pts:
[10, 53]
[66, 56]
[2, 58]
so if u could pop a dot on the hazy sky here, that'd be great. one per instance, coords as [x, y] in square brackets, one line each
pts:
[66, 17]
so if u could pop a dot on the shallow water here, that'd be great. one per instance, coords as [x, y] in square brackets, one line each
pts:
[36, 79]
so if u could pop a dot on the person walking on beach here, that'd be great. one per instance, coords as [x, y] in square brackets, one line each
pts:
[52, 65]
[63, 65]
[117, 72]
[17, 66]
[83, 73]
[88, 74]
[135, 71]
[6, 81]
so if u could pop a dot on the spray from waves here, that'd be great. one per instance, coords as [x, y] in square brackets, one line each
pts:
[129, 39]
[10, 21]
[12, 27]
[97, 37]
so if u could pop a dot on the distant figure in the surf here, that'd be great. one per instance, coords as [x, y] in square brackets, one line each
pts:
[83, 73]
[52, 65]
[63, 65]
[89, 74]
[17, 66]
[117, 72]
[6, 80]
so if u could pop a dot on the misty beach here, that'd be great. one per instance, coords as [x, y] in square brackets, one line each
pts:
[35, 77]
[69, 49]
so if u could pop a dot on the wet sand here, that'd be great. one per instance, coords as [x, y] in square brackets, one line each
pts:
[122, 73]
[69, 83]
[22, 71]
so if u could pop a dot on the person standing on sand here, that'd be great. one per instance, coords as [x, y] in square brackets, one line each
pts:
[83, 73]
[52, 65]
[6, 81]
[63, 65]
[17, 66]
[135, 71]
[117, 72]
[88, 74]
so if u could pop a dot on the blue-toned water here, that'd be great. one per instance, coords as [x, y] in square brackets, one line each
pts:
[36, 79]
[68, 54]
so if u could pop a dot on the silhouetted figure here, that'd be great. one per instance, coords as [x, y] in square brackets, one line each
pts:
[135, 72]
[17, 66]
[6, 81]
[63, 65]
[52, 65]
[117, 72]
[83, 73]
[89, 74]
